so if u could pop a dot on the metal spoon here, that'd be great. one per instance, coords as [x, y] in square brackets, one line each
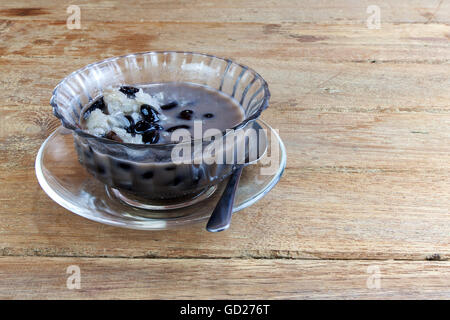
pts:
[221, 216]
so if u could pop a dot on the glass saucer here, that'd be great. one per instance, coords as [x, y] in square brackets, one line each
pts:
[65, 181]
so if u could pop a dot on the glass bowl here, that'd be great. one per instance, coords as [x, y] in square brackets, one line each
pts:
[147, 171]
[68, 183]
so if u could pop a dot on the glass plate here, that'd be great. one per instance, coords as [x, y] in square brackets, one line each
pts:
[66, 182]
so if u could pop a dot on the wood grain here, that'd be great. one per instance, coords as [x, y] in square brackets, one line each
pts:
[311, 11]
[46, 278]
[396, 68]
[364, 114]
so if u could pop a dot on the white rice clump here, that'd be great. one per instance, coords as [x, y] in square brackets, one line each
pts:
[119, 105]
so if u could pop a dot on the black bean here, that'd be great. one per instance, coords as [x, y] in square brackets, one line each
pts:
[197, 178]
[186, 114]
[149, 113]
[142, 126]
[176, 181]
[181, 126]
[130, 127]
[129, 91]
[208, 115]
[101, 169]
[97, 104]
[157, 126]
[169, 105]
[151, 137]
[125, 166]
[147, 175]
[126, 186]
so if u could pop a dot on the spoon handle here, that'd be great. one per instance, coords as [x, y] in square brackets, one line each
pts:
[221, 217]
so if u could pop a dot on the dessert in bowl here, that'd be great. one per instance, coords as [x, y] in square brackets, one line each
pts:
[123, 111]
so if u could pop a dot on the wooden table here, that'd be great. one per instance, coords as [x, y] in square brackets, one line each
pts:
[362, 210]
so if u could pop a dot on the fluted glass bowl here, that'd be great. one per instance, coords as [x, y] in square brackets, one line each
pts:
[147, 170]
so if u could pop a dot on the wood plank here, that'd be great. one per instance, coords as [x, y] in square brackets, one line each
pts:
[299, 42]
[46, 278]
[335, 74]
[312, 11]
